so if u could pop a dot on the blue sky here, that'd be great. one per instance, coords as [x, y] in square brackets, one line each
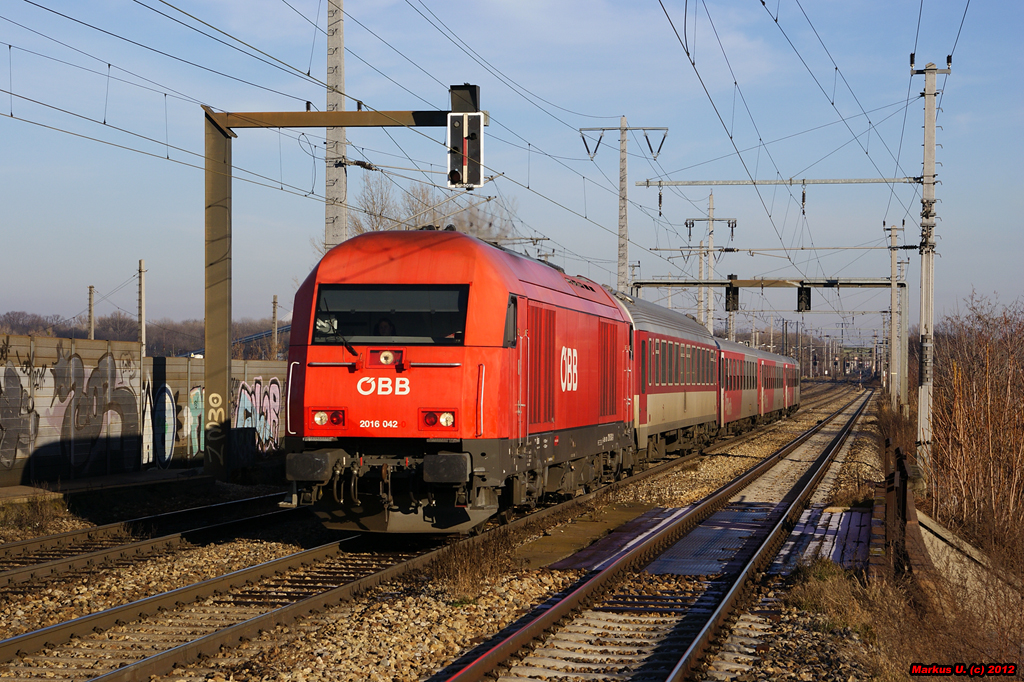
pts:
[802, 90]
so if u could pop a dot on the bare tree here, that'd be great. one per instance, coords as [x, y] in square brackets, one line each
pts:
[376, 205]
[490, 221]
[421, 204]
[117, 326]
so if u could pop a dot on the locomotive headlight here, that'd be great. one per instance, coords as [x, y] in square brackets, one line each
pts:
[387, 357]
[446, 419]
[320, 418]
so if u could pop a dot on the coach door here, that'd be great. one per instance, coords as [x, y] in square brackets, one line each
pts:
[721, 388]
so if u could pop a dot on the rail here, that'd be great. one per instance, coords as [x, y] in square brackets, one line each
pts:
[643, 553]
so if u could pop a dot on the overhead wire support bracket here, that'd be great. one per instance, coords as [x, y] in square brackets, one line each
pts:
[664, 134]
[789, 182]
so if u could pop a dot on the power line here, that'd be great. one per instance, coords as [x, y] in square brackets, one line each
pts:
[165, 54]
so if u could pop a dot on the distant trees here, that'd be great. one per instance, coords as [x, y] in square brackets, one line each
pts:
[164, 337]
[26, 324]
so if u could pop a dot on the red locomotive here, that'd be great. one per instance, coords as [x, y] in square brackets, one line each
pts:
[436, 380]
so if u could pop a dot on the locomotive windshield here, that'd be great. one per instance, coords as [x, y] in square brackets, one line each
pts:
[390, 313]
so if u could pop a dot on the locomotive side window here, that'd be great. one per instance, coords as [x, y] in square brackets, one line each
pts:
[510, 324]
[391, 313]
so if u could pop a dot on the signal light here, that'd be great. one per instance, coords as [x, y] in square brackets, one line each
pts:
[732, 299]
[803, 299]
[465, 149]
[338, 418]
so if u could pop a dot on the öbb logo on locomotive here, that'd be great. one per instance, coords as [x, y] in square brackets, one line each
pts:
[568, 369]
[383, 386]
[530, 384]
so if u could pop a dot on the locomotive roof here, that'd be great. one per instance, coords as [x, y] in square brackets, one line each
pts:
[658, 320]
[449, 256]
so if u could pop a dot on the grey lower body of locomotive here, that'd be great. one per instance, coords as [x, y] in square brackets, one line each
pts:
[455, 489]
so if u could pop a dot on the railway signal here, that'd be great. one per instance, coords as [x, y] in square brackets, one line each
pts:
[732, 299]
[803, 299]
[465, 149]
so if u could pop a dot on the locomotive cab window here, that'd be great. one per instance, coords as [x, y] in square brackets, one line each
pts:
[391, 313]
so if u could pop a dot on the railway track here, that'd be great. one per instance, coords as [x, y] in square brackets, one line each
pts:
[175, 628]
[673, 590]
[150, 636]
[46, 557]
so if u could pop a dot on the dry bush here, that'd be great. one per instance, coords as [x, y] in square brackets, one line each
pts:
[976, 480]
[463, 569]
[902, 431]
[977, 464]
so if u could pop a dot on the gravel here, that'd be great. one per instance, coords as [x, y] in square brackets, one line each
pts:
[720, 465]
[404, 630]
[24, 608]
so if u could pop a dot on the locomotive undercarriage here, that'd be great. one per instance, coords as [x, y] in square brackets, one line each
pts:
[449, 485]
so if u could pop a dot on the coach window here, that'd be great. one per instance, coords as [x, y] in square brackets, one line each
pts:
[652, 367]
[675, 362]
[661, 362]
[666, 363]
[656, 362]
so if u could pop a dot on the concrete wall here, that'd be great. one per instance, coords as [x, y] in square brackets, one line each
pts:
[72, 408]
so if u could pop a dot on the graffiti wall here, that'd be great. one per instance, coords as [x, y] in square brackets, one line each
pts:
[72, 408]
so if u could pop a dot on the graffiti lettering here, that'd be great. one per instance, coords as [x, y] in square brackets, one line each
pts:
[159, 426]
[93, 409]
[19, 422]
[259, 407]
[195, 435]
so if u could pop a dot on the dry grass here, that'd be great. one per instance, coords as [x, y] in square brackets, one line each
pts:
[462, 570]
[900, 629]
[39, 515]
